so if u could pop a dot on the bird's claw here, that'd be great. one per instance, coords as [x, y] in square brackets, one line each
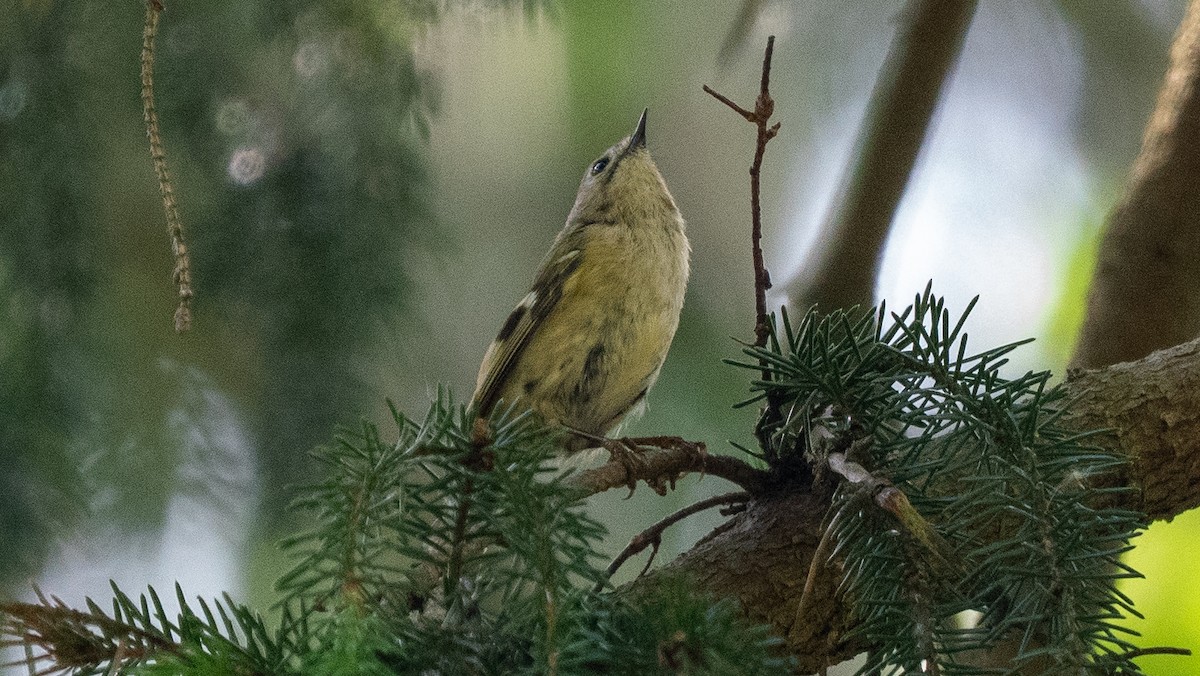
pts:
[628, 454]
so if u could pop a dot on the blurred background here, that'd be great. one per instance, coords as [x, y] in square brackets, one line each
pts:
[368, 187]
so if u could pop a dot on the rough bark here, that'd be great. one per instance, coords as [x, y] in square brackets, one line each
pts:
[762, 556]
[1153, 407]
[1145, 294]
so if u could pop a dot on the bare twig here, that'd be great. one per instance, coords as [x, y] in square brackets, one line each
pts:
[669, 457]
[158, 155]
[842, 269]
[764, 107]
[652, 536]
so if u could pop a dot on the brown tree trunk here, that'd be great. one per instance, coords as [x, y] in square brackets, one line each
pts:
[1146, 291]
[842, 268]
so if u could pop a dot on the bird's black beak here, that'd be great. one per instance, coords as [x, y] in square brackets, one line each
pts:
[638, 140]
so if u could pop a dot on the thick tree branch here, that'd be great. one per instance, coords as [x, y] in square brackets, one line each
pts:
[1146, 291]
[842, 268]
[1152, 407]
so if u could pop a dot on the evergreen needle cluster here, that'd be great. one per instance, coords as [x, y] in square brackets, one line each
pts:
[961, 514]
[433, 554]
[1002, 530]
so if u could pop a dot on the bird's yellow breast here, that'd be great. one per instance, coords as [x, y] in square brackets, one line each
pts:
[609, 334]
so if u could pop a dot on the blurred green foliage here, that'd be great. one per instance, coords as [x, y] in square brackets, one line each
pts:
[48, 271]
[295, 132]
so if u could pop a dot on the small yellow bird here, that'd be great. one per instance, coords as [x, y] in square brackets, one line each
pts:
[588, 340]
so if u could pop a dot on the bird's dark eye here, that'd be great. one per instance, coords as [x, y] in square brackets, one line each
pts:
[599, 165]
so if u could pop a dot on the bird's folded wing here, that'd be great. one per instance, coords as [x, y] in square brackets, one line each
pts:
[520, 328]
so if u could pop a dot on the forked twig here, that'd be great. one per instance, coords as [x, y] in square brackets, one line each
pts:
[764, 107]
[652, 536]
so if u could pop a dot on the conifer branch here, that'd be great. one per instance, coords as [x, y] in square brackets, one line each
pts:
[837, 370]
[139, 633]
